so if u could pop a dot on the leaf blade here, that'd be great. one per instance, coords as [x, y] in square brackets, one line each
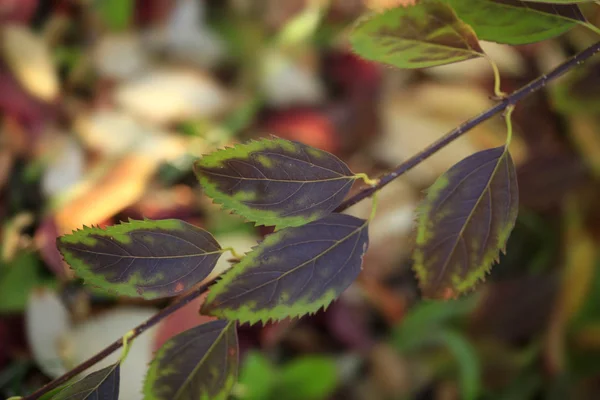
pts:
[102, 384]
[425, 35]
[291, 276]
[517, 22]
[476, 198]
[184, 367]
[149, 259]
[275, 182]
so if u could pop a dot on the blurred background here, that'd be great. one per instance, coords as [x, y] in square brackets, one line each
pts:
[104, 106]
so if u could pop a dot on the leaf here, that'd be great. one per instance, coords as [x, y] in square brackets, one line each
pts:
[200, 363]
[257, 377]
[469, 369]
[102, 384]
[275, 182]
[116, 14]
[425, 35]
[307, 378]
[17, 279]
[516, 22]
[465, 219]
[293, 272]
[149, 259]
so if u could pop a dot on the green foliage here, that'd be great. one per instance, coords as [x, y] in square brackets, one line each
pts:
[425, 35]
[516, 22]
[307, 378]
[17, 279]
[116, 14]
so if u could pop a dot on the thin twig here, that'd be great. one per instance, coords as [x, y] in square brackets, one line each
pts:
[526, 90]
[517, 95]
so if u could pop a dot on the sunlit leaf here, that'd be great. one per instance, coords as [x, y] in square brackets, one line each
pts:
[420, 36]
[516, 22]
[200, 363]
[102, 384]
[257, 377]
[275, 182]
[293, 272]
[464, 221]
[313, 377]
[149, 259]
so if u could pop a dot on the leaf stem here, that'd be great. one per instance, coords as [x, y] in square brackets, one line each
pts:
[234, 253]
[509, 127]
[498, 93]
[457, 132]
[126, 344]
[366, 179]
[528, 89]
[374, 206]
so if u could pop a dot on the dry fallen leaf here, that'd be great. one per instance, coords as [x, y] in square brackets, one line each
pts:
[171, 95]
[29, 59]
[47, 321]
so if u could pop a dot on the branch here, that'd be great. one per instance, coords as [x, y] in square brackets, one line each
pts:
[514, 97]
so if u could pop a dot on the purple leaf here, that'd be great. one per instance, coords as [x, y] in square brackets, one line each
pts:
[102, 384]
[275, 182]
[293, 272]
[465, 219]
[149, 259]
[200, 363]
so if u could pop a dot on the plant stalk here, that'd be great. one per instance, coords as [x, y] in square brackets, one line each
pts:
[514, 97]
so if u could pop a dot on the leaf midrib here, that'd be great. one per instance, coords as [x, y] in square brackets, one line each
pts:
[208, 352]
[468, 219]
[337, 243]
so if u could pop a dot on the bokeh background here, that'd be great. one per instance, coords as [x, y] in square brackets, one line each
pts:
[104, 106]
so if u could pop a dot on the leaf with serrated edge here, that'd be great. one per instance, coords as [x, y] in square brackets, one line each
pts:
[425, 35]
[200, 363]
[293, 272]
[516, 22]
[149, 259]
[102, 384]
[275, 182]
[464, 221]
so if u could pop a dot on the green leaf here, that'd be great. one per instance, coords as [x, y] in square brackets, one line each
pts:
[561, 1]
[275, 182]
[307, 378]
[516, 22]
[464, 221]
[116, 14]
[425, 35]
[102, 384]
[428, 317]
[200, 363]
[149, 259]
[257, 377]
[579, 91]
[466, 357]
[17, 279]
[293, 272]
